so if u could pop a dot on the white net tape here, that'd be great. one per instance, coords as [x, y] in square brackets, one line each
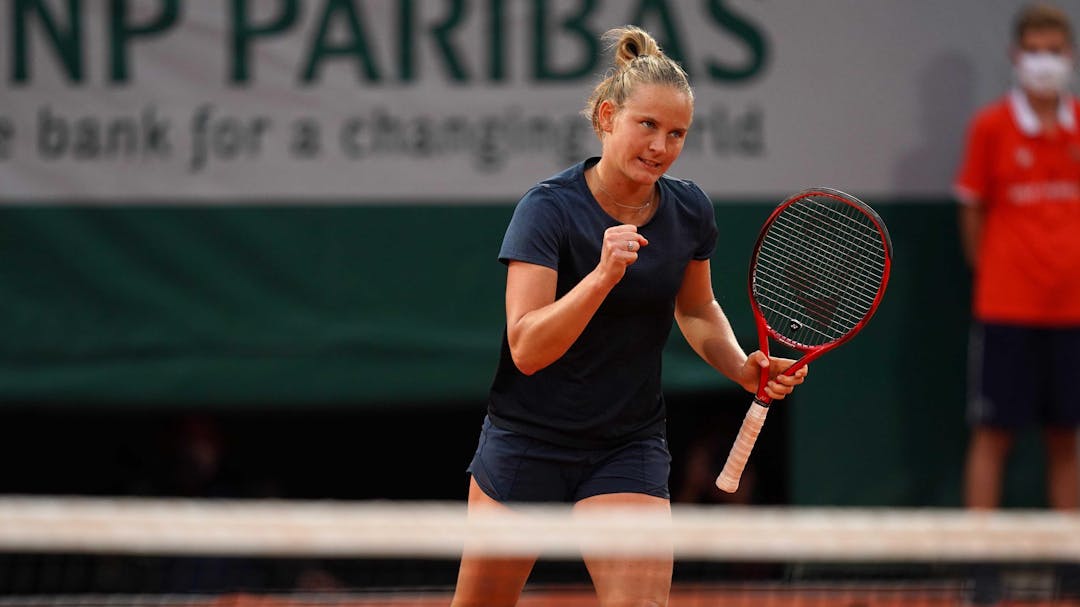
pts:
[346, 529]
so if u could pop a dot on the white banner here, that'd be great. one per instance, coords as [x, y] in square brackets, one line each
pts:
[471, 101]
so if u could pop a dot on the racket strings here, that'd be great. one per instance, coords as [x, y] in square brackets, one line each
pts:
[823, 277]
[827, 310]
[819, 269]
[853, 243]
[834, 274]
[824, 262]
[823, 304]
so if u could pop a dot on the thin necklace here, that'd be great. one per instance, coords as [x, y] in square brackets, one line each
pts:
[645, 205]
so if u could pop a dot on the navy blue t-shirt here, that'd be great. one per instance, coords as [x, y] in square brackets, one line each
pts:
[606, 388]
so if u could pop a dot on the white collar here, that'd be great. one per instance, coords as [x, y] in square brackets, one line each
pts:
[1029, 122]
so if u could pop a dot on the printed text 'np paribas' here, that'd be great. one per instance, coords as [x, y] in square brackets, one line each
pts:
[381, 43]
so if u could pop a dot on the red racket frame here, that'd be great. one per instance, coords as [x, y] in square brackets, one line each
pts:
[755, 417]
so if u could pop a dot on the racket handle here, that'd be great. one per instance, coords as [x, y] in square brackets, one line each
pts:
[744, 443]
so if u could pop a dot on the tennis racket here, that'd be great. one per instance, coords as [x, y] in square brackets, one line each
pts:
[817, 275]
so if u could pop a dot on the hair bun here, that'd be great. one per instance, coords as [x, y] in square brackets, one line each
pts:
[631, 42]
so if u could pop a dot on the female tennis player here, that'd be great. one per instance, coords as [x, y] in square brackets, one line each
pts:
[601, 257]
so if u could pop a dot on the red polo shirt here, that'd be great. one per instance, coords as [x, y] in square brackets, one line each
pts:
[1028, 266]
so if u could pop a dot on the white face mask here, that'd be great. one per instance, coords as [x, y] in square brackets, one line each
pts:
[1043, 73]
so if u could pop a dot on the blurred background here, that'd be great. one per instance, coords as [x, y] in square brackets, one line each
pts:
[248, 248]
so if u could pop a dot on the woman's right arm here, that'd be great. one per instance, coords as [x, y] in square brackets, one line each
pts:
[539, 328]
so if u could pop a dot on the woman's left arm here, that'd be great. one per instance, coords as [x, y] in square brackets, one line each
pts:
[709, 333]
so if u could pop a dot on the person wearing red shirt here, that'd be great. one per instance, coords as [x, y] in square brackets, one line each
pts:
[1019, 193]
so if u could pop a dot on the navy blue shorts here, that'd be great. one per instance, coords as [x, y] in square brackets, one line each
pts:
[512, 467]
[1023, 376]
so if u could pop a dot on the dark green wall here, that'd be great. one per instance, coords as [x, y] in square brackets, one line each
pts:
[345, 306]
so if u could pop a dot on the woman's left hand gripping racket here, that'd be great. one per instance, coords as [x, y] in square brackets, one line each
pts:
[818, 272]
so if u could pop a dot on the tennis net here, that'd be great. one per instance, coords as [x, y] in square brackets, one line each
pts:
[98, 551]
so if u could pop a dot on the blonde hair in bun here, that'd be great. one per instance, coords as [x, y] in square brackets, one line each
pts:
[638, 60]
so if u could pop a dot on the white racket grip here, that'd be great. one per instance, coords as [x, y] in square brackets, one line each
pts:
[744, 443]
